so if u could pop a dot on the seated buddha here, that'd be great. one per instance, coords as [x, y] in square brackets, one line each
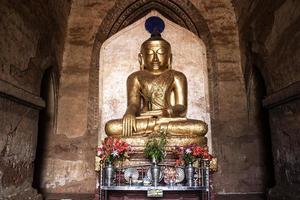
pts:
[157, 99]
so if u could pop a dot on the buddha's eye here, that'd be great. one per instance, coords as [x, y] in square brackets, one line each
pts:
[149, 52]
[161, 51]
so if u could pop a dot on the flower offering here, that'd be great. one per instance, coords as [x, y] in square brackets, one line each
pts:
[190, 153]
[113, 149]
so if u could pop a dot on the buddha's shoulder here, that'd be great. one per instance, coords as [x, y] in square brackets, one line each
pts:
[135, 75]
[178, 74]
[142, 74]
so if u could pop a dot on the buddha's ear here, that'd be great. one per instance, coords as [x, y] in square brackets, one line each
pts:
[141, 61]
[170, 61]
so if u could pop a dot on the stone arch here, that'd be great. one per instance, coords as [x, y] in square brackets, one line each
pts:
[125, 13]
[170, 11]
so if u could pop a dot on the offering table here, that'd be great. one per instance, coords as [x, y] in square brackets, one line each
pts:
[138, 190]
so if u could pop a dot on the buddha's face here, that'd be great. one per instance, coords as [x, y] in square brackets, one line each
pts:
[156, 55]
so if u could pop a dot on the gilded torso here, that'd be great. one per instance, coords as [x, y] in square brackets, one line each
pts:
[155, 90]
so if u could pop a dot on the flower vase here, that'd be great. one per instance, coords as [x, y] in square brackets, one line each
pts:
[155, 173]
[189, 173]
[109, 174]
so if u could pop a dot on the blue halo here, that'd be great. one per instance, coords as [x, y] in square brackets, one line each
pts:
[154, 24]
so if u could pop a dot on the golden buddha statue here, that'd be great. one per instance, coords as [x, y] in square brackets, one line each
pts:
[157, 100]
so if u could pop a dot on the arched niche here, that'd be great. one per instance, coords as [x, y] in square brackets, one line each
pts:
[118, 59]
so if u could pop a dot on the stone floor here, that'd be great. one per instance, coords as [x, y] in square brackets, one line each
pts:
[69, 196]
[242, 197]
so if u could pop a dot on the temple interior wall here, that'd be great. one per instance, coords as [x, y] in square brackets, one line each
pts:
[18, 145]
[32, 40]
[245, 35]
[270, 45]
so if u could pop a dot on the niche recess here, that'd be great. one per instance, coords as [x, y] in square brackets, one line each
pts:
[119, 58]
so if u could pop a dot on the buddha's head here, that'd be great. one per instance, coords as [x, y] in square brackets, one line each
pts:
[155, 52]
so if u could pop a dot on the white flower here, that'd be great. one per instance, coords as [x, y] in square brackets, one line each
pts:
[188, 151]
[115, 153]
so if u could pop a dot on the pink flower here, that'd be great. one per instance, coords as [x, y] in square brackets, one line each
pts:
[99, 151]
[188, 151]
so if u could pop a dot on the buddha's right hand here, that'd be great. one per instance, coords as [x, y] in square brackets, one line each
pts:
[129, 124]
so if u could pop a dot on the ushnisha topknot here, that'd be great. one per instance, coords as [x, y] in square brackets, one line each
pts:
[155, 26]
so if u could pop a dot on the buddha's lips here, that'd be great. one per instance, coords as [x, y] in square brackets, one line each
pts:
[156, 65]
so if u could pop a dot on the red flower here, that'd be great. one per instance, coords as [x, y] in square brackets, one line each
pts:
[196, 152]
[206, 155]
[112, 149]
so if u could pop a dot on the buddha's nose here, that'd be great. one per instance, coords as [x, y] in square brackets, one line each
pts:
[155, 58]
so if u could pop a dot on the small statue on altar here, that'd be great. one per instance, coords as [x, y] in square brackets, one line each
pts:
[157, 97]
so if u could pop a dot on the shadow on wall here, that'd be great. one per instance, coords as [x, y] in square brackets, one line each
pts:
[46, 125]
[256, 92]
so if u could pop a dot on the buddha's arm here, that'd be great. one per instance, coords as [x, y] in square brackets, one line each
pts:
[180, 91]
[133, 106]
